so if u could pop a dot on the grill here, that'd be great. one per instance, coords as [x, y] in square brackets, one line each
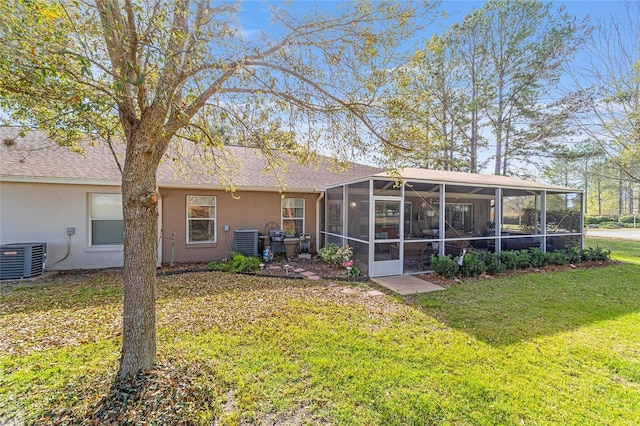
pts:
[276, 239]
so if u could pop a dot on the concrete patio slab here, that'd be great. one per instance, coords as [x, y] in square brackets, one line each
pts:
[407, 284]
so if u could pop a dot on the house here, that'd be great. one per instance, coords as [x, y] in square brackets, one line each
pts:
[72, 202]
[394, 222]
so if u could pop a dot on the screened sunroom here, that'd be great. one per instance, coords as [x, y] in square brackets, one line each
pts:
[394, 224]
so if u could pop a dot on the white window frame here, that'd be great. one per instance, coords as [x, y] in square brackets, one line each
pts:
[283, 218]
[114, 217]
[213, 219]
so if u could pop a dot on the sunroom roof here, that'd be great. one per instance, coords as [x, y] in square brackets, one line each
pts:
[473, 179]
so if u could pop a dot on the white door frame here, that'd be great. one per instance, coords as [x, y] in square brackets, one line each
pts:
[382, 268]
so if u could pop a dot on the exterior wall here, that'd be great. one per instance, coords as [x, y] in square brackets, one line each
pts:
[37, 212]
[242, 210]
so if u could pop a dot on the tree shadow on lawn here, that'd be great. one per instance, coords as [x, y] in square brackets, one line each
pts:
[519, 308]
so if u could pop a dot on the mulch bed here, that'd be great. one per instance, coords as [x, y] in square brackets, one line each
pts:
[440, 280]
[274, 269]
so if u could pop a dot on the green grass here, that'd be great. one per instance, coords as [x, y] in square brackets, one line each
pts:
[627, 251]
[558, 348]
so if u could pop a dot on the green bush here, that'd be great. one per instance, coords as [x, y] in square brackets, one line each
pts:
[491, 262]
[573, 255]
[628, 219]
[538, 258]
[332, 253]
[328, 252]
[472, 265]
[354, 272]
[611, 225]
[558, 258]
[444, 265]
[509, 259]
[241, 263]
[523, 259]
[219, 266]
[595, 253]
[595, 220]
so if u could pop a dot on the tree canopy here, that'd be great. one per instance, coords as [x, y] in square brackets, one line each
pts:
[488, 79]
[153, 72]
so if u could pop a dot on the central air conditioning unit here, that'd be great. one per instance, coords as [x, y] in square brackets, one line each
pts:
[245, 241]
[22, 260]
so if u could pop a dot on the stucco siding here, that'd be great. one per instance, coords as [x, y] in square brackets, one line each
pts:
[38, 212]
[241, 210]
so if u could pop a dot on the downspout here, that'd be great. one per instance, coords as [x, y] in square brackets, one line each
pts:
[543, 219]
[583, 207]
[318, 201]
[159, 236]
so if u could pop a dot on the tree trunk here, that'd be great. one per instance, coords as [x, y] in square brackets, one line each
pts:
[499, 123]
[140, 209]
[599, 189]
[620, 192]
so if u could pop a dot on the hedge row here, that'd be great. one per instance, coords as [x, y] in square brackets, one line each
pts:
[596, 220]
[476, 263]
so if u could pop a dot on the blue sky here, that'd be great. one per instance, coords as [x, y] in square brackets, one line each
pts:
[253, 11]
[254, 16]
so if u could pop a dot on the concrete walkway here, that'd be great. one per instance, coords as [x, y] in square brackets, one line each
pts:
[623, 234]
[406, 284]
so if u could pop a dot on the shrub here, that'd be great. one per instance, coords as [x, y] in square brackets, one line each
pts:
[354, 272]
[241, 263]
[558, 258]
[595, 253]
[509, 259]
[332, 253]
[538, 258]
[218, 266]
[523, 259]
[472, 265]
[444, 265]
[611, 225]
[573, 255]
[627, 219]
[491, 262]
[594, 220]
[328, 252]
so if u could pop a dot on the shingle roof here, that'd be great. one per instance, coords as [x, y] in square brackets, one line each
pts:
[36, 158]
[473, 179]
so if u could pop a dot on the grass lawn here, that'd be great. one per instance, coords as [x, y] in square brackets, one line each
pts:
[557, 348]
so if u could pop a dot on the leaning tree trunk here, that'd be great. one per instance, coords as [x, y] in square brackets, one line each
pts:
[140, 208]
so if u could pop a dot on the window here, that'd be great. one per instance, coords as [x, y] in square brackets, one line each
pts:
[293, 216]
[459, 217]
[105, 215]
[201, 219]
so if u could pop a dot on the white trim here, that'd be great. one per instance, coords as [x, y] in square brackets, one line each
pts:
[90, 245]
[318, 214]
[161, 185]
[304, 214]
[214, 218]
[159, 242]
[64, 181]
